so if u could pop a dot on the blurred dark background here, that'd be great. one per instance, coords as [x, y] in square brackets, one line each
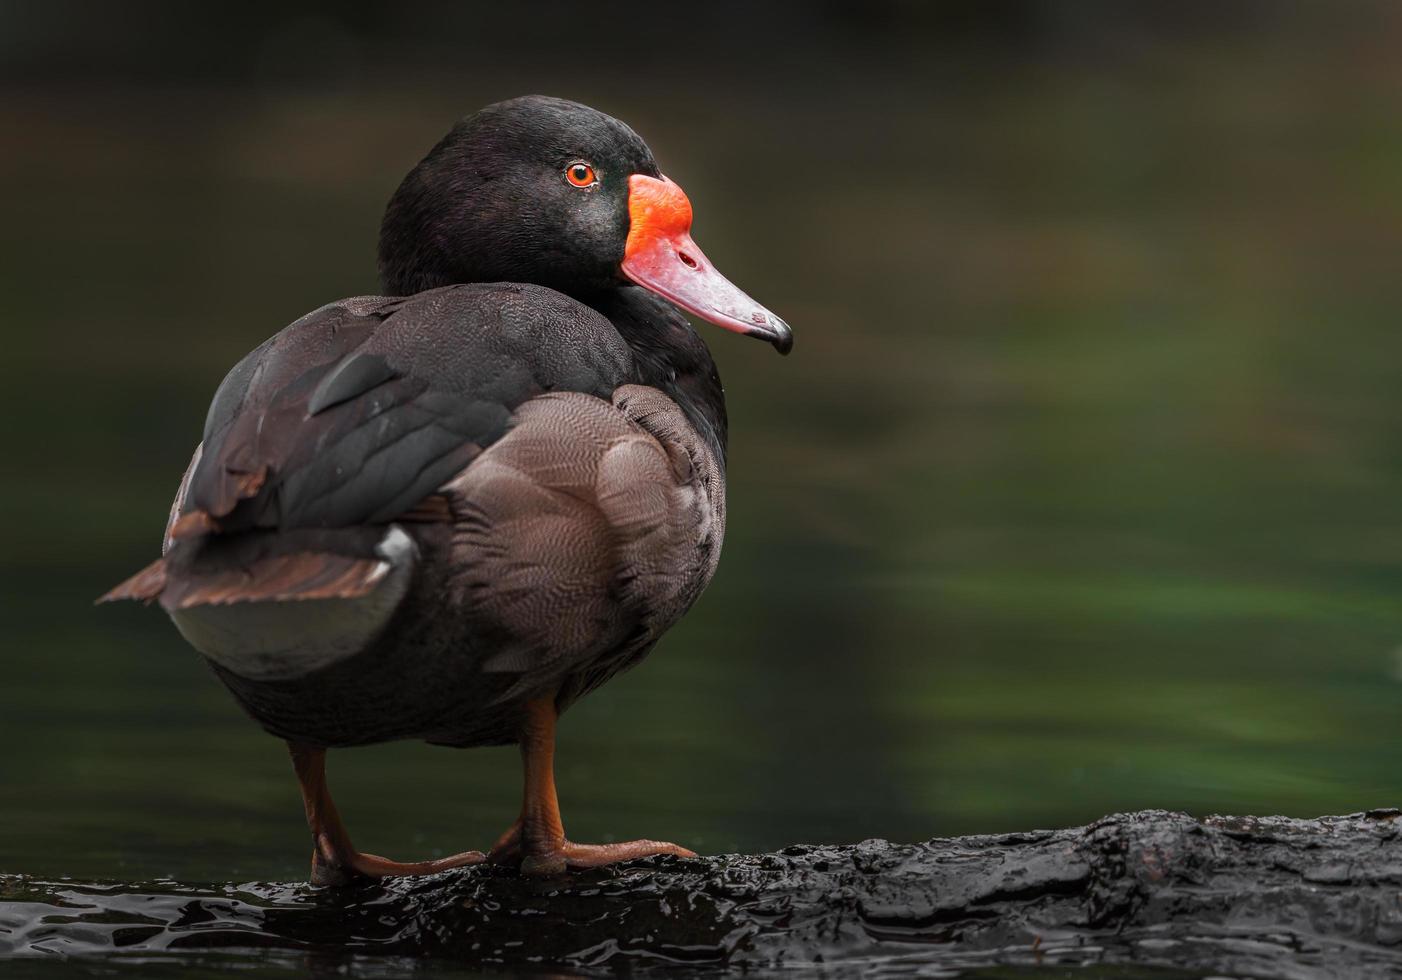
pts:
[1079, 493]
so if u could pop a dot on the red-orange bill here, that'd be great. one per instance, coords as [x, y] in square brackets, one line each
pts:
[661, 257]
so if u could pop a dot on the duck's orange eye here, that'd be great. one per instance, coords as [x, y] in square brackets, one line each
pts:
[580, 174]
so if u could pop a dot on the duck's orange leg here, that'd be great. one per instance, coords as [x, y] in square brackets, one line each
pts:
[537, 839]
[335, 861]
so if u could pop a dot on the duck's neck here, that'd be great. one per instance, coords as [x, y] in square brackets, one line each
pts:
[670, 356]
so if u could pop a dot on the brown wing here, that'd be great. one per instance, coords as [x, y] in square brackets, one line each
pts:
[356, 414]
[358, 411]
[582, 534]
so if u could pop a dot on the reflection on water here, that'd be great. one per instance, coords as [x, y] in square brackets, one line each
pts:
[1079, 493]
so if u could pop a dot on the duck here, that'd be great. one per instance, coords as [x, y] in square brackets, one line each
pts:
[448, 512]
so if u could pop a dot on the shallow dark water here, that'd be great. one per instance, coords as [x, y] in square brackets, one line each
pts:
[1078, 494]
[168, 929]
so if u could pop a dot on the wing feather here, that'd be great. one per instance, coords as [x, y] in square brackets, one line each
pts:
[358, 411]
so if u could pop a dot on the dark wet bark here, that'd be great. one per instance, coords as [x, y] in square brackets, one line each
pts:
[1258, 896]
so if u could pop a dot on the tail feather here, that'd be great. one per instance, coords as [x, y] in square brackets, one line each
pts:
[276, 578]
[144, 586]
[242, 601]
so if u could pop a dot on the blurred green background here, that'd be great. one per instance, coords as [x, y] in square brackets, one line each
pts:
[1080, 492]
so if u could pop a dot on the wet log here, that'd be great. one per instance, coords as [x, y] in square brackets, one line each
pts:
[1257, 896]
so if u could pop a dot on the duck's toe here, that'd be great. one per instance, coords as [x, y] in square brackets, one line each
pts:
[345, 869]
[569, 856]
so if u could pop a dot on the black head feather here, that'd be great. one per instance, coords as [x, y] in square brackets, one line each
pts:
[491, 203]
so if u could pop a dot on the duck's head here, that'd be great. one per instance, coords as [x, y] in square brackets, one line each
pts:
[555, 193]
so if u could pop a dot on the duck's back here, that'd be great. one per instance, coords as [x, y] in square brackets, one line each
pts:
[407, 514]
[356, 411]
